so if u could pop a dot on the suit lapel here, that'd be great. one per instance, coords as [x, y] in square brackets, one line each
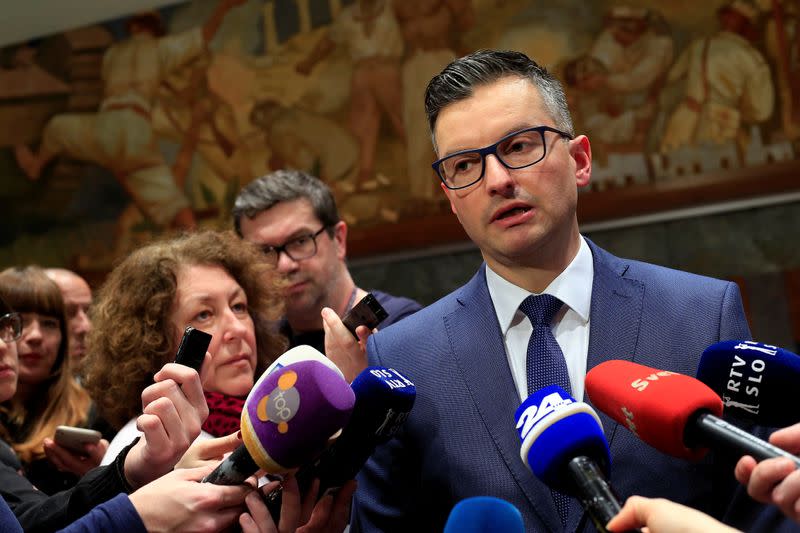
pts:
[616, 315]
[478, 349]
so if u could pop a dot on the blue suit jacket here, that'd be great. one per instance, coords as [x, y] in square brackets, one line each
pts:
[460, 439]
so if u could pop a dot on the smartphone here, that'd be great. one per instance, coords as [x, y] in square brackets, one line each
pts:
[74, 439]
[368, 312]
[193, 348]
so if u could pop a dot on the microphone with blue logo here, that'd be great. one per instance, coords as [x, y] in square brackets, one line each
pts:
[756, 381]
[564, 445]
[383, 401]
[484, 514]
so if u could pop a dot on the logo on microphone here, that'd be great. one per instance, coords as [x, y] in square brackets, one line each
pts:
[739, 368]
[280, 405]
[730, 402]
[534, 413]
[392, 378]
[641, 384]
[629, 420]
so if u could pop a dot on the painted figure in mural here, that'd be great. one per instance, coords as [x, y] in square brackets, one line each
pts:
[728, 83]
[307, 141]
[625, 68]
[430, 29]
[782, 40]
[370, 33]
[120, 135]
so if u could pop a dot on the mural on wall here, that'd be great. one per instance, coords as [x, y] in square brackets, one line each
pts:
[113, 134]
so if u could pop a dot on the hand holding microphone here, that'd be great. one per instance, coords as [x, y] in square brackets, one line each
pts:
[383, 401]
[757, 382]
[775, 481]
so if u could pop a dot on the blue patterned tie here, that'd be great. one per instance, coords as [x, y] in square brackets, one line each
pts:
[545, 364]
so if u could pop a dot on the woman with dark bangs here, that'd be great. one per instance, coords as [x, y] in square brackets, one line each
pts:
[210, 280]
[47, 393]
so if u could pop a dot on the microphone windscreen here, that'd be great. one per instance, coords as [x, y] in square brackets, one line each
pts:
[655, 405]
[484, 514]
[756, 381]
[303, 352]
[554, 429]
[291, 413]
[384, 398]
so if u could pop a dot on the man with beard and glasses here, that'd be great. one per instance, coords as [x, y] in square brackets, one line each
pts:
[293, 217]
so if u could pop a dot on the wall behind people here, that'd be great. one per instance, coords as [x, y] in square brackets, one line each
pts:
[753, 247]
[249, 87]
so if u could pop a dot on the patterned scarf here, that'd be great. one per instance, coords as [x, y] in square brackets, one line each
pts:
[224, 414]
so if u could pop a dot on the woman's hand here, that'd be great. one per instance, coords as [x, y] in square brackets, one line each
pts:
[209, 451]
[79, 464]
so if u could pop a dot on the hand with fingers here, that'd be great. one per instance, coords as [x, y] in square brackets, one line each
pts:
[66, 460]
[775, 481]
[179, 502]
[658, 515]
[210, 451]
[342, 348]
[174, 409]
[331, 514]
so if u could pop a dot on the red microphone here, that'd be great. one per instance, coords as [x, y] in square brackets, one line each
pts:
[674, 413]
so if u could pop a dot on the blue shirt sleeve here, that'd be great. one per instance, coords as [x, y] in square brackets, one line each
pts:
[8, 522]
[117, 514]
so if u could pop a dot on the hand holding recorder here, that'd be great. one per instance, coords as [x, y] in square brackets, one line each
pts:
[346, 339]
[173, 411]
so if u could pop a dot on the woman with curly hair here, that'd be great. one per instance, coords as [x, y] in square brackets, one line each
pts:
[47, 394]
[210, 280]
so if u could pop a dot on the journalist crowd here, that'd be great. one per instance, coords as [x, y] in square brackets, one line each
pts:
[637, 389]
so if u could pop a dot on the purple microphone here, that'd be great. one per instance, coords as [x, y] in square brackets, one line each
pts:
[287, 420]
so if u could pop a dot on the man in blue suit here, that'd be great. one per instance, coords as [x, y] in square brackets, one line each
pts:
[511, 166]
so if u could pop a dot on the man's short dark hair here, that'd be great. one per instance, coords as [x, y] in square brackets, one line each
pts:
[459, 79]
[285, 186]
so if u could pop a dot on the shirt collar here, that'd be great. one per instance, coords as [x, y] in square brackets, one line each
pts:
[573, 287]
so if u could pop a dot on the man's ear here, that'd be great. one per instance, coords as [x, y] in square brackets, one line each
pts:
[581, 152]
[446, 192]
[340, 239]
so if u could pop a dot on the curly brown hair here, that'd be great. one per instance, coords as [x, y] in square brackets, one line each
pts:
[132, 334]
[59, 400]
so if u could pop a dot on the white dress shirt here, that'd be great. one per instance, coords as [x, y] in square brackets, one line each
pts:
[570, 325]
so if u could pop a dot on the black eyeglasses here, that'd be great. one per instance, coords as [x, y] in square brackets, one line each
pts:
[299, 248]
[516, 150]
[10, 327]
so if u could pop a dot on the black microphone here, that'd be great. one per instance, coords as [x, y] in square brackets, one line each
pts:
[383, 401]
[756, 381]
[564, 445]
